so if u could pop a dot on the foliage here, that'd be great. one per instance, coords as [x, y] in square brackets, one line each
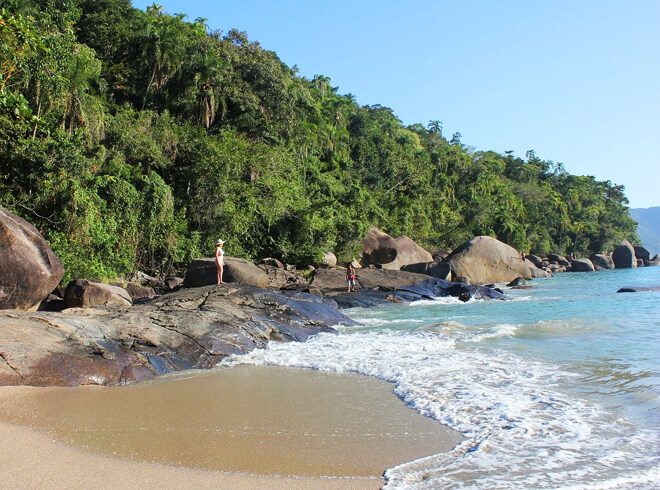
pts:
[135, 139]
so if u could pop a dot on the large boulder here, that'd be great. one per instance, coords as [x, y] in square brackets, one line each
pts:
[642, 253]
[391, 253]
[582, 265]
[203, 272]
[441, 270]
[485, 260]
[329, 260]
[602, 261]
[29, 269]
[87, 294]
[624, 256]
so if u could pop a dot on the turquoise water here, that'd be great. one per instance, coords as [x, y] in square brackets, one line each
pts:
[557, 388]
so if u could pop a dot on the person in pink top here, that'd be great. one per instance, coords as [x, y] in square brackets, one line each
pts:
[219, 259]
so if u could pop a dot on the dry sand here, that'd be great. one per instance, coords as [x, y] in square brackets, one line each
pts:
[244, 427]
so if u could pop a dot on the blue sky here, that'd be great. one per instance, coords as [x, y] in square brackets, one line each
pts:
[576, 81]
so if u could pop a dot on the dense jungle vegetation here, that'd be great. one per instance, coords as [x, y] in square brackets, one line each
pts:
[134, 139]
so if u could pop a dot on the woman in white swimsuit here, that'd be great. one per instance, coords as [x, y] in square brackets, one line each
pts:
[219, 259]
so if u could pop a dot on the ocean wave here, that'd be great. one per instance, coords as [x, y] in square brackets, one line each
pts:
[521, 429]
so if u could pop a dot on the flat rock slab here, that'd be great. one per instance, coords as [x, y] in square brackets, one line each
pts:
[190, 328]
[638, 289]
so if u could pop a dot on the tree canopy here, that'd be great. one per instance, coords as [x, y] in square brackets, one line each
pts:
[133, 139]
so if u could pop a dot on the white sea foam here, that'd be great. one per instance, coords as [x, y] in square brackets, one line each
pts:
[522, 430]
[446, 300]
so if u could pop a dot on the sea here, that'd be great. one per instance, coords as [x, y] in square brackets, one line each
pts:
[558, 387]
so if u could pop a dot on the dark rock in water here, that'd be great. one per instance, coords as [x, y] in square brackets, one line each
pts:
[190, 328]
[29, 269]
[203, 272]
[624, 256]
[640, 263]
[642, 253]
[582, 265]
[638, 289]
[517, 282]
[601, 261]
[428, 289]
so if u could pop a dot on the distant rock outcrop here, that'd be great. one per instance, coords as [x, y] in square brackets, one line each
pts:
[29, 269]
[485, 260]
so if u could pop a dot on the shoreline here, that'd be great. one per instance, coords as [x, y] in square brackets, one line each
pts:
[296, 428]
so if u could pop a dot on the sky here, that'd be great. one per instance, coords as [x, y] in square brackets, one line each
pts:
[575, 81]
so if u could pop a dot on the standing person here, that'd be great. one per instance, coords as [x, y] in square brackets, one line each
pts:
[219, 259]
[350, 277]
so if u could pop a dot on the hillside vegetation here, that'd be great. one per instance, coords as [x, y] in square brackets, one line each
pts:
[134, 139]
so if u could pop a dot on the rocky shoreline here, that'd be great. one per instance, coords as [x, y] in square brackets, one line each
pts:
[110, 334]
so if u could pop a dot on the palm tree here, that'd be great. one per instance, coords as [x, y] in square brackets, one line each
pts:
[164, 46]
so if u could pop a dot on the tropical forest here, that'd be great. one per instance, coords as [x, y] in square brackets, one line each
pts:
[134, 139]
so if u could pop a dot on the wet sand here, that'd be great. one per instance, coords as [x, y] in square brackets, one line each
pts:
[244, 427]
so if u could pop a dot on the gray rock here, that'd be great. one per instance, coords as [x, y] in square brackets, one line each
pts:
[624, 256]
[536, 272]
[582, 265]
[190, 328]
[484, 259]
[601, 261]
[139, 292]
[534, 259]
[81, 293]
[329, 260]
[560, 259]
[638, 289]
[203, 272]
[391, 253]
[29, 269]
[642, 253]
[441, 270]
[519, 281]
[273, 263]
[280, 278]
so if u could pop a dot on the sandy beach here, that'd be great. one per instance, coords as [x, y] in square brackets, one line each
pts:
[244, 427]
